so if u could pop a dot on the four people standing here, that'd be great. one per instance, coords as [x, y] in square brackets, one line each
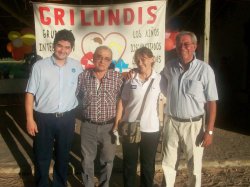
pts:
[191, 94]
[49, 103]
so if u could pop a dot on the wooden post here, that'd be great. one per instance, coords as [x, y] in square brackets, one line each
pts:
[207, 30]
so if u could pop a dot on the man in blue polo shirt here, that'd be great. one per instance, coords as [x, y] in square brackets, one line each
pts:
[49, 103]
[191, 89]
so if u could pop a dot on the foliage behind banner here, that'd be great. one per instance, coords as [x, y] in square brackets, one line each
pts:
[122, 27]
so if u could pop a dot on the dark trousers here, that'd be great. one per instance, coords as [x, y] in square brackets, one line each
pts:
[54, 133]
[147, 148]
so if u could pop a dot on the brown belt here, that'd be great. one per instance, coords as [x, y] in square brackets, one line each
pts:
[197, 118]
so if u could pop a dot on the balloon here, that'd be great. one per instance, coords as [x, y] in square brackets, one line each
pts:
[87, 63]
[13, 35]
[28, 39]
[27, 49]
[18, 42]
[167, 34]
[27, 30]
[9, 47]
[169, 44]
[173, 36]
[89, 55]
[17, 54]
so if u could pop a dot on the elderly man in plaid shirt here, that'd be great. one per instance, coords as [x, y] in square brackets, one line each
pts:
[98, 92]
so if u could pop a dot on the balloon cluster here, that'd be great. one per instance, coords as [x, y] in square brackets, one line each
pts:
[170, 40]
[20, 43]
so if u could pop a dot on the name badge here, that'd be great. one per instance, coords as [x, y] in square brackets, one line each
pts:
[133, 86]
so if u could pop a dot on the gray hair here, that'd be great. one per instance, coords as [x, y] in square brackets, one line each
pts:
[191, 34]
[143, 51]
[103, 47]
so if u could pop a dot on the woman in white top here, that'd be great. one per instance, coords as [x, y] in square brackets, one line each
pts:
[128, 109]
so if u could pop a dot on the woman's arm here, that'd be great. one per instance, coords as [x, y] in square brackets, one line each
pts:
[119, 111]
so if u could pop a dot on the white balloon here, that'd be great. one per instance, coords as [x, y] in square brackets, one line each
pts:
[18, 42]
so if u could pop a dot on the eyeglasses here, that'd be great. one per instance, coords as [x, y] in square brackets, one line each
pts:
[186, 45]
[100, 58]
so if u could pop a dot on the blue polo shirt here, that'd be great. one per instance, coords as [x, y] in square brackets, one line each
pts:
[54, 86]
[188, 91]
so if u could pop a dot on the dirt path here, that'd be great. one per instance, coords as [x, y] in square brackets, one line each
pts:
[223, 177]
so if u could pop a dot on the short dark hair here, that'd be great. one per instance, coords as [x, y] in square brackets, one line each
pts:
[65, 35]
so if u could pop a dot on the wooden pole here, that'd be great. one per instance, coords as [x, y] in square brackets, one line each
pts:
[207, 30]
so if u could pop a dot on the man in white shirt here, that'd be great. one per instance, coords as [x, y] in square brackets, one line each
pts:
[191, 89]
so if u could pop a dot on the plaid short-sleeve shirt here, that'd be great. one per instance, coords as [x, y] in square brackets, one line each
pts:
[98, 102]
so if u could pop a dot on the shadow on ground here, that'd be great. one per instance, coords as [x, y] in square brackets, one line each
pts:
[231, 116]
[13, 132]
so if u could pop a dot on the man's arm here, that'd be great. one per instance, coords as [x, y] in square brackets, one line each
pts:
[30, 124]
[211, 115]
[163, 84]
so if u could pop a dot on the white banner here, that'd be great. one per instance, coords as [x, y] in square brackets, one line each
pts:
[122, 27]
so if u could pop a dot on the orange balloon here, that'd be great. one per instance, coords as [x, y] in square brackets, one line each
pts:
[9, 47]
[169, 44]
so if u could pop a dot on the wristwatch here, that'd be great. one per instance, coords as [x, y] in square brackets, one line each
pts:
[210, 132]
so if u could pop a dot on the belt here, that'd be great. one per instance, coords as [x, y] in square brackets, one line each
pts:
[100, 123]
[60, 114]
[197, 118]
[56, 114]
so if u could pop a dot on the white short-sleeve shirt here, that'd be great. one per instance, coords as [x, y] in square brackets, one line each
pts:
[133, 93]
